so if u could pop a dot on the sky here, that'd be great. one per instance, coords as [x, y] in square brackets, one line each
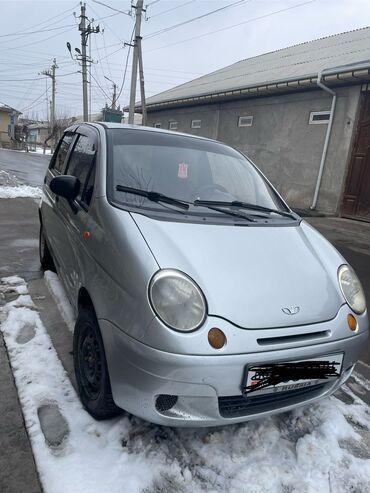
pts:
[34, 32]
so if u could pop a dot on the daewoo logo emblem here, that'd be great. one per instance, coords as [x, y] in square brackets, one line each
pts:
[291, 310]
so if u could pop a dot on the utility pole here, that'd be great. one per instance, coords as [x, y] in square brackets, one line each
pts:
[137, 44]
[51, 73]
[142, 86]
[85, 32]
[114, 98]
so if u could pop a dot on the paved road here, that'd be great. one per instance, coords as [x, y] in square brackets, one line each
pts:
[27, 166]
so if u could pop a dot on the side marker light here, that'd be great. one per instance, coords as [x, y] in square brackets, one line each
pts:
[352, 322]
[216, 338]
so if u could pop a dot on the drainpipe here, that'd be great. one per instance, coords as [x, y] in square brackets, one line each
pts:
[327, 138]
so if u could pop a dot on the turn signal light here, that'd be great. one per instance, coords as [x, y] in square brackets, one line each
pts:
[216, 338]
[352, 322]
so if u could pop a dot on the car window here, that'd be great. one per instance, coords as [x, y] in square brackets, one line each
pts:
[81, 165]
[58, 161]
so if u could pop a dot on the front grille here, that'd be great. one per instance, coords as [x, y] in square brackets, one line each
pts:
[235, 406]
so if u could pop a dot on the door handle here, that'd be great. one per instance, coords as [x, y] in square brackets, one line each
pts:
[57, 198]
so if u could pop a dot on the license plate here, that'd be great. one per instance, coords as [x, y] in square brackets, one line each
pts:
[291, 375]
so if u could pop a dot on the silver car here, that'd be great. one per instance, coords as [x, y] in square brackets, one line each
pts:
[201, 298]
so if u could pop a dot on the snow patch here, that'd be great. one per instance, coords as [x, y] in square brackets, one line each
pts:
[20, 191]
[13, 281]
[59, 295]
[312, 449]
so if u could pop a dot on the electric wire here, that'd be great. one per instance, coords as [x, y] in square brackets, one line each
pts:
[45, 21]
[232, 26]
[202, 16]
[112, 8]
[171, 9]
[36, 32]
[46, 39]
[127, 58]
[100, 87]
[34, 101]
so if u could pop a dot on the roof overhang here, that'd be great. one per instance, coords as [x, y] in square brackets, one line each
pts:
[336, 76]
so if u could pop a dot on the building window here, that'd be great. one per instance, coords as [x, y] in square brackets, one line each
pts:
[245, 121]
[157, 125]
[317, 117]
[173, 125]
[196, 123]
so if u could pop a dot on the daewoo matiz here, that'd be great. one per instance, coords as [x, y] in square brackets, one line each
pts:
[201, 298]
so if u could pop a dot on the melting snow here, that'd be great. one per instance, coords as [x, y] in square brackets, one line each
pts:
[20, 191]
[319, 448]
[10, 187]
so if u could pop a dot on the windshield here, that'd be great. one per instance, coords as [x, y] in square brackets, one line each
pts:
[184, 169]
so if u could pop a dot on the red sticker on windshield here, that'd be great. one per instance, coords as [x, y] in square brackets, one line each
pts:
[183, 170]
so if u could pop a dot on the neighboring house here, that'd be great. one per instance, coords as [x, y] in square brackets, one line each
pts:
[272, 108]
[38, 132]
[8, 121]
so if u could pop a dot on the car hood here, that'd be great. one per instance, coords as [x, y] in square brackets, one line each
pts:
[252, 276]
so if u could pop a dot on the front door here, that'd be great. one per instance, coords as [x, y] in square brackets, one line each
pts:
[356, 199]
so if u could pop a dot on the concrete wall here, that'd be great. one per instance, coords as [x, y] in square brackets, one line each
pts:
[280, 141]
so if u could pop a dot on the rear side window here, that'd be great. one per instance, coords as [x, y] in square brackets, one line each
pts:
[81, 165]
[63, 148]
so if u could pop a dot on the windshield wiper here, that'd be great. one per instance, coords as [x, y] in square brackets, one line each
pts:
[223, 211]
[242, 205]
[153, 196]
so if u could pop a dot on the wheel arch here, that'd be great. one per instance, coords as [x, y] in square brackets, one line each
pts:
[84, 300]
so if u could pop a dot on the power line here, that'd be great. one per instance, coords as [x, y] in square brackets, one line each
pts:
[21, 80]
[112, 8]
[110, 54]
[202, 16]
[233, 25]
[100, 87]
[34, 101]
[35, 32]
[106, 25]
[45, 21]
[125, 72]
[152, 3]
[45, 39]
[99, 58]
[171, 9]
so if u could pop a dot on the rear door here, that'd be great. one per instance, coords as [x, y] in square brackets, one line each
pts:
[81, 164]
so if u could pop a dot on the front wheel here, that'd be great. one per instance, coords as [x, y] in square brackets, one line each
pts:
[91, 367]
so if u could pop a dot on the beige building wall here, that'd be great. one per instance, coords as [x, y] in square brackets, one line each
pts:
[4, 122]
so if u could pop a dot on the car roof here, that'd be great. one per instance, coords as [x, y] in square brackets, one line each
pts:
[124, 126]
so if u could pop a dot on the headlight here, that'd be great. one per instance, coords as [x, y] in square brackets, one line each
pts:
[351, 289]
[177, 300]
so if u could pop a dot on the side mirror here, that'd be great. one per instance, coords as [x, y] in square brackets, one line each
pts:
[65, 186]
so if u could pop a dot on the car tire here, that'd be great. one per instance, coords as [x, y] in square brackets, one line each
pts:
[91, 368]
[46, 259]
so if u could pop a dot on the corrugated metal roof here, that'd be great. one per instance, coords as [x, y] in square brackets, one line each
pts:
[297, 62]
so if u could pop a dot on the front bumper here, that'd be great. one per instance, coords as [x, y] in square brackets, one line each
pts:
[208, 387]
